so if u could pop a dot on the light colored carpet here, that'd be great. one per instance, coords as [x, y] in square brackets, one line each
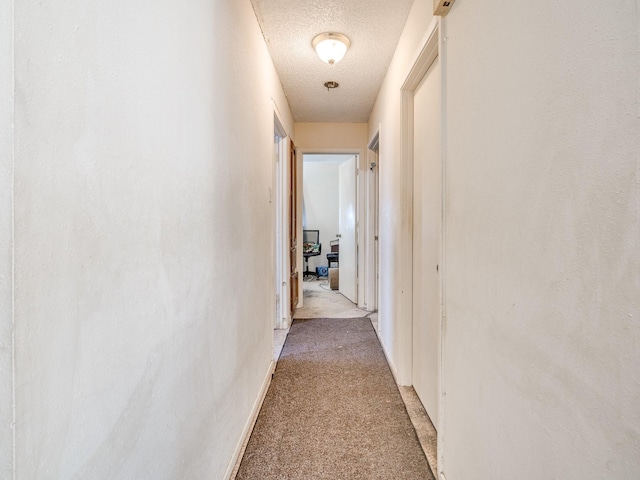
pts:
[319, 301]
[333, 411]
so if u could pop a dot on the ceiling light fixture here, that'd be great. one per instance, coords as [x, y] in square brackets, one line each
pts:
[331, 47]
[330, 85]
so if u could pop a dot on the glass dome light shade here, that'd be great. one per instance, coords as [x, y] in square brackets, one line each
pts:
[331, 47]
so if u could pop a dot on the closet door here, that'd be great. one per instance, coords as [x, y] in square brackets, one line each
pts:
[427, 227]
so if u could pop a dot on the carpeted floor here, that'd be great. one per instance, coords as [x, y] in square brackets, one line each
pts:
[319, 301]
[333, 411]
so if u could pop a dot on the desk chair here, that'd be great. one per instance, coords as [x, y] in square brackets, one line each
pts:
[311, 247]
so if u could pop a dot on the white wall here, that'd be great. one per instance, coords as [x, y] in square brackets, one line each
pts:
[320, 185]
[542, 273]
[6, 236]
[541, 364]
[331, 135]
[143, 165]
[395, 225]
[338, 138]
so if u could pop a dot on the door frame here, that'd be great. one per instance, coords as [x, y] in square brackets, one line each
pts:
[372, 224]
[294, 233]
[432, 48]
[280, 185]
[360, 212]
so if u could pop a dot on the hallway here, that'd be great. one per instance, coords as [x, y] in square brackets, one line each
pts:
[327, 328]
[333, 409]
[151, 230]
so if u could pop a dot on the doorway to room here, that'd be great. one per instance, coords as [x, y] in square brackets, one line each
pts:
[422, 261]
[372, 234]
[427, 207]
[329, 221]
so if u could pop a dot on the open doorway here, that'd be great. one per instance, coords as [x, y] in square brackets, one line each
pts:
[329, 222]
[283, 197]
[372, 242]
[279, 166]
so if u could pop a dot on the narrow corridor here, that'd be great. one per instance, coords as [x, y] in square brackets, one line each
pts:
[333, 409]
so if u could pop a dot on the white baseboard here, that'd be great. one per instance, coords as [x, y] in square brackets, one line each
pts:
[232, 469]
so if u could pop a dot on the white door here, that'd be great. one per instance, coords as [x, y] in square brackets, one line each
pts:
[376, 232]
[427, 194]
[280, 185]
[347, 226]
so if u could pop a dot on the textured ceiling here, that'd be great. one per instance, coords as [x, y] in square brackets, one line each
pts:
[373, 26]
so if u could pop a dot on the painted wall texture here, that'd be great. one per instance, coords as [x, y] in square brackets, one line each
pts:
[6, 238]
[541, 365]
[331, 135]
[542, 279]
[143, 168]
[394, 314]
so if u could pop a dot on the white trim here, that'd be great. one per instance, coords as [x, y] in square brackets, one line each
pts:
[280, 186]
[278, 116]
[360, 202]
[374, 143]
[361, 228]
[14, 416]
[236, 458]
[432, 33]
[277, 123]
[426, 56]
[432, 47]
[299, 198]
[427, 53]
[372, 195]
[443, 260]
